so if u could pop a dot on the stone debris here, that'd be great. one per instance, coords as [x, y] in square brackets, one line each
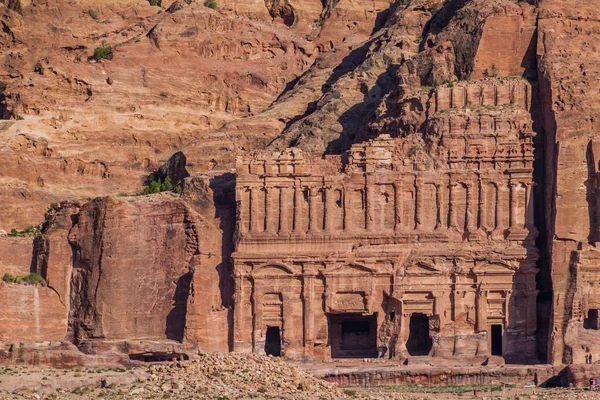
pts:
[212, 376]
[237, 376]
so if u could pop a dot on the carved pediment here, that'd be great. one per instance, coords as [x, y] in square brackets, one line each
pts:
[422, 268]
[273, 270]
[351, 269]
[494, 268]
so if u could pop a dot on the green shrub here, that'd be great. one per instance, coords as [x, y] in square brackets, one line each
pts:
[414, 150]
[102, 52]
[31, 279]
[319, 21]
[3, 86]
[94, 14]
[157, 186]
[449, 83]
[210, 4]
[155, 3]
[30, 231]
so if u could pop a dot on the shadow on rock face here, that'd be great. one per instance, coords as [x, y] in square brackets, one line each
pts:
[176, 317]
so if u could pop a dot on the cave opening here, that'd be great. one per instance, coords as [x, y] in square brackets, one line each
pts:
[419, 342]
[591, 322]
[353, 336]
[496, 339]
[273, 341]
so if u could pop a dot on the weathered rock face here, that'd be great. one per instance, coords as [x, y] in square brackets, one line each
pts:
[131, 277]
[35, 313]
[154, 267]
[438, 120]
[175, 75]
[568, 82]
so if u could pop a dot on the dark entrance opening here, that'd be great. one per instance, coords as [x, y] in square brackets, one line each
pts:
[273, 341]
[353, 336]
[496, 340]
[418, 343]
[591, 322]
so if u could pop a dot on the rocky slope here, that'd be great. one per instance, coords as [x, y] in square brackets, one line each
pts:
[80, 128]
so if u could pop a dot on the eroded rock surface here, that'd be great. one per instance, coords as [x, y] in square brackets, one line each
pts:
[453, 132]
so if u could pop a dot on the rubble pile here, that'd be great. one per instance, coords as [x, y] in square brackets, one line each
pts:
[233, 375]
[210, 376]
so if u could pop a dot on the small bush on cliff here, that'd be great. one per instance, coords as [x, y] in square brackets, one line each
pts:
[320, 21]
[449, 83]
[156, 3]
[94, 14]
[31, 279]
[102, 52]
[157, 186]
[3, 86]
[30, 231]
[210, 4]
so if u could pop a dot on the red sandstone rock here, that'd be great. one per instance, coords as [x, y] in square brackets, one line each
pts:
[435, 219]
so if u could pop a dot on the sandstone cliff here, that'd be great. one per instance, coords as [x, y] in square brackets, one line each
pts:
[185, 89]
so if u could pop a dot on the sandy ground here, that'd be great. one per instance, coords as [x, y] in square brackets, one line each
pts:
[227, 377]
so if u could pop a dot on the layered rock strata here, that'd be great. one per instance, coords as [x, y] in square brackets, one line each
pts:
[412, 149]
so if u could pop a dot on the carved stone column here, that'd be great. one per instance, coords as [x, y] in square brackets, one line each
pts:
[482, 310]
[513, 205]
[439, 201]
[298, 208]
[269, 214]
[240, 197]
[314, 223]
[471, 208]
[531, 323]
[286, 206]
[507, 296]
[484, 204]
[452, 219]
[439, 306]
[348, 226]
[499, 204]
[253, 211]
[398, 206]
[257, 321]
[291, 333]
[239, 344]
[370, 202]
[329, 205]
[308, 311]
[529, 205]
[418, 203]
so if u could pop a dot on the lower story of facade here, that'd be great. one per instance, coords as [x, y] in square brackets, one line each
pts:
[397, 306]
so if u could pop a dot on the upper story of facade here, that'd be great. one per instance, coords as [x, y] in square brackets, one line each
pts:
[465, 175]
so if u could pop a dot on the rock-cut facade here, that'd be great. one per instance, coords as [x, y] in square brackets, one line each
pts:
[404, 247]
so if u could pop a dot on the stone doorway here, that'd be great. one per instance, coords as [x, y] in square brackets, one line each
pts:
[591, 322]
[273, 341]
[496, 339]
[353, 336]
[419, 342]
